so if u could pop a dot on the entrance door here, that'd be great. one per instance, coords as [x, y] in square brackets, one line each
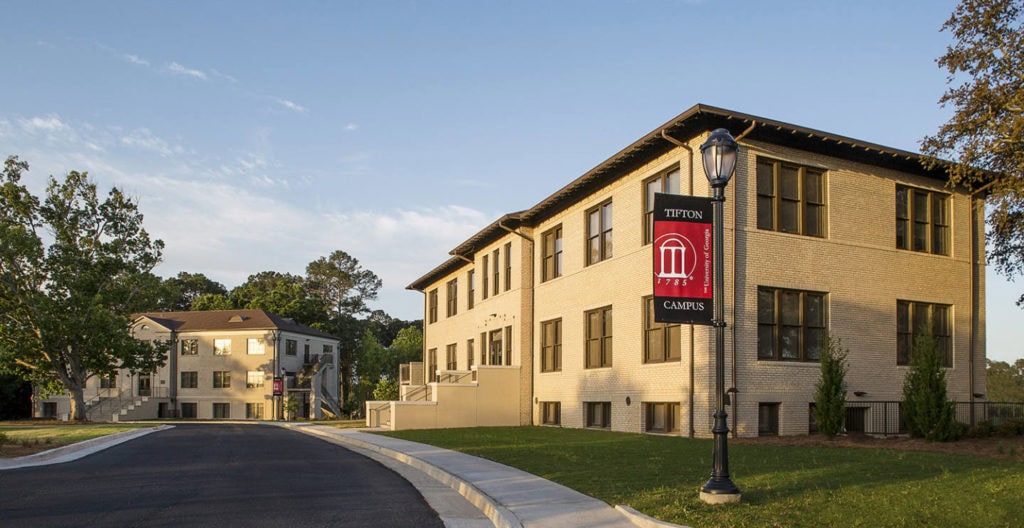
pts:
[145, 385]
[496, 358]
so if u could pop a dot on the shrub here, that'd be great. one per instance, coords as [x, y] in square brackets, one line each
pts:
[386, 390]
[4, 439]
[928, 413]
[830, 392]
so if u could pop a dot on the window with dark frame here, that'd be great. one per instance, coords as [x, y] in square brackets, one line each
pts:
[108, 382]
[551, 413]
[791, 198]
[599, 233]
[598, 414]
[666, 182]
[431, 365]
[470, 354]
[254, 411]
[188, 410]
[190, 379]
[190, 347]
[494, 344]
[508, 345]
[661, 417]
[551, 253]
[451, 360]
[791, 324]
[768, 419]
[508, 266]
[432, 306]
[470, 289]
[922, 220]
[918, 319]
[551, 346]
[291, 347]
[496, 257]
[222, 379]
[599, 337]
[661, 340]
[483, 287]
[452, 302]
[222, 410]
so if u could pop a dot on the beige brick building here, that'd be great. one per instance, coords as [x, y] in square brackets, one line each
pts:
[221, 365]
[823, 233]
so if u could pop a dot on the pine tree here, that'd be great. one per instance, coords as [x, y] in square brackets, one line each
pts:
[926, 410]
[830, 392]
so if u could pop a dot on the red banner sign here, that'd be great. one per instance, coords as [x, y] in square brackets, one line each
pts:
[683, 263]
[278, 386]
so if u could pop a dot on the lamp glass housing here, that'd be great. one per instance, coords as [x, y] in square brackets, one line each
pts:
[719, 154]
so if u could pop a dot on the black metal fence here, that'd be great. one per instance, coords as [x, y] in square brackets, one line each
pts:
[885, 418]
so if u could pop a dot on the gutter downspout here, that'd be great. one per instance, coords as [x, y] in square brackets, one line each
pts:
[173, 389]
[735, 295]
[691, 391]
[529, 317]
[973, 293]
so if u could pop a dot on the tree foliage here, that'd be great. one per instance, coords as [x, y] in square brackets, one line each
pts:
[1005, 381]
[211, 301]
[830, 392]
[73, 267]
[283, 294]
[926, 409]
[180, 292]
[985, 135]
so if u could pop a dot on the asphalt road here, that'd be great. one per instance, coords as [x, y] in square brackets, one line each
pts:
[214, 475]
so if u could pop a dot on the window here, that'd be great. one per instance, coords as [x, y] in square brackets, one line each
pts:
[661, 340]
[551, 346]
[922, 220]
[221, 379]
[305, 353]
[508, 266]
[666, 182]
[599, 233]
[551, 254]
[222, 410]
[190, 380]
[790, 324]
[451, 360]
[291, 347]
[452, 302]
[484, 286]
[188, 410]
[254, 379]
[508, 345]
[599, 337]
[551, 413]
[497, 271]
[255, 346]
[470, 359]
[431, 365]
[768, 419]
[189, 347]
[221, 347]
[108, 382]
[327, 355]
[254, 411]
[662, 417]
[790, 198]
[470, 291]
[495, 344]
[598, 414]
[432, 305]
[918, 319]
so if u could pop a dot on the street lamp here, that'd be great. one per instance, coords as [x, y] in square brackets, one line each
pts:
[719, 153]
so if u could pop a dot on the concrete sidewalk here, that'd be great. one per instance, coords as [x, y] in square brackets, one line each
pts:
[509, 497]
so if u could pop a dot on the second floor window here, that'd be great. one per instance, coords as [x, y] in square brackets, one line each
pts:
[551, 254]
[483, 287]
[551, 346]
[432, 306]
[508, 266]
[470, 290]
[599, 337]
[254, 379]
[221, 347]
[190, 379]
[452, 306]
[221, 379]
[255, 346]
[599, 233]
[189, 347]
[790, 198]
[667, 182]
[790, 324]
[497, 271]
[291, 347]
[922, 220]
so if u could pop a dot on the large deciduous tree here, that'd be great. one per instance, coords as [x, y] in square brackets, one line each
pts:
[344, 287]
[1005, 381]
[182, 291]
[283, 294]
[72, 267]
[985, 136]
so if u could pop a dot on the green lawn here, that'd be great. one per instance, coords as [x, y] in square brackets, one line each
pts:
[58, 435]
[781, 486]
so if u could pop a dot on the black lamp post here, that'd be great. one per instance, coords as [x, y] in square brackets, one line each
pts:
[719, 153]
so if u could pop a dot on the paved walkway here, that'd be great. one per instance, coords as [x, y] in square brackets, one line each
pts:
[509, 497]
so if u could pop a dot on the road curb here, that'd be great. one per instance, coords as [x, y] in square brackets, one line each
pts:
[499, 515]
[644, 521]
[78, 450]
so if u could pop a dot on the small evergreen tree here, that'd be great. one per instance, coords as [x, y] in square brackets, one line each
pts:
[926, 411]
[830, 392]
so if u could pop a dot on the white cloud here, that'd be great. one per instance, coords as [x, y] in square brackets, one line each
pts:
[351, 126]
[51, 123]
[291, 105]
[178, 69]
[134, 59]
[224, 76]
[145, 140]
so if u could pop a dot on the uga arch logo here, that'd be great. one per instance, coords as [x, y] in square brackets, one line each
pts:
[675, 258]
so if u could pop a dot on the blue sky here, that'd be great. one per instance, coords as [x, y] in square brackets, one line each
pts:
[263, 135]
